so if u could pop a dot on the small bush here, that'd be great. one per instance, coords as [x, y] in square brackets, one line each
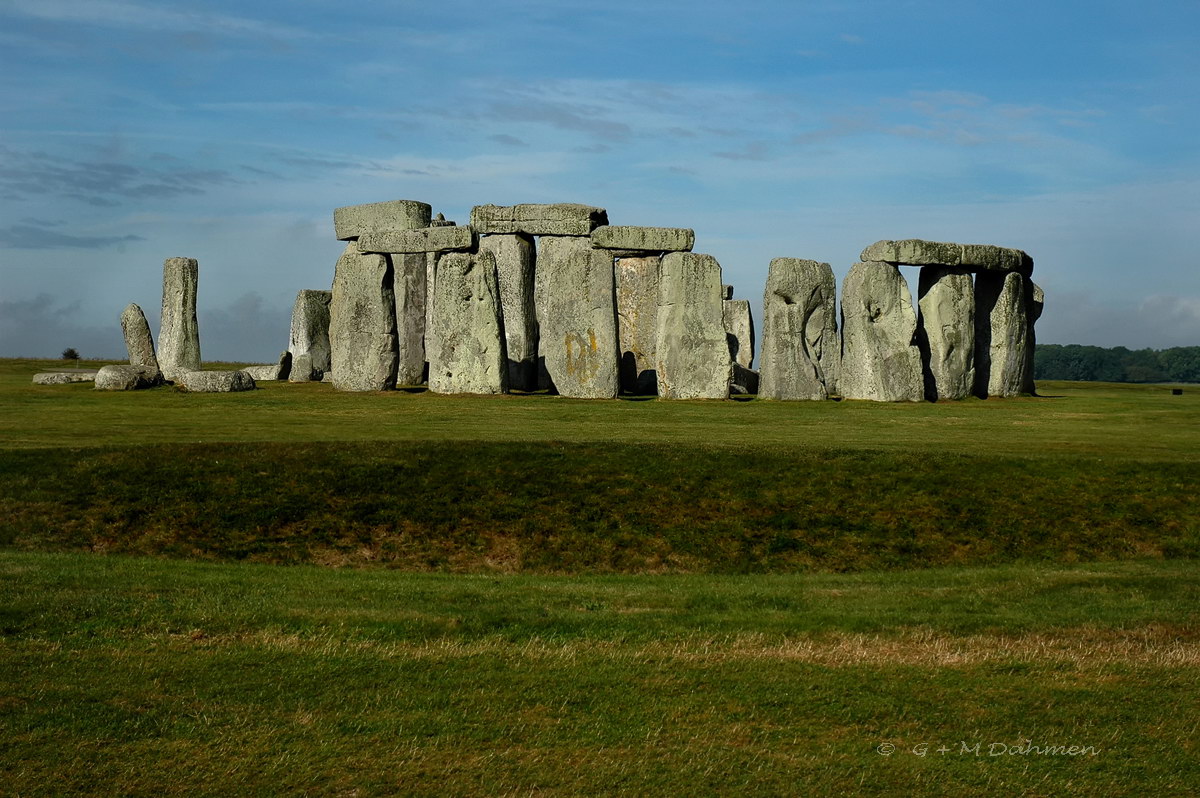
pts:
[70, 354]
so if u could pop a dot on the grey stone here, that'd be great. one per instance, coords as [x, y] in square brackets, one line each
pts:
[1001, 334]
[272, 372]
[800, 349]
[362, 322]
[309, 340]
[574, 298]
[879, 358]
[328, 377]
[515, 257]
[946, 332]
[428, 239]
[739, 334]
[440, 221]
[470, 355]
[973, 257]
[65, 377]
[691, 352]
[216, 381]
[563, 219]
[353, 221]
[138, 340]
[179, 333]
[126, 378]
[411, 298]
[1035, 301]
[744, 381]
[637, 322]
[643, 239]
[727, 291]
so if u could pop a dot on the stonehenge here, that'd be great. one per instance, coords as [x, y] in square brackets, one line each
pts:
[801, 350]
[309, 339]
[471, 355]
[362, 322]
[138, 341]
[739, 333]
[637, 322]
[514, 255]
[179, 334]
[691, 351]
[946, 332]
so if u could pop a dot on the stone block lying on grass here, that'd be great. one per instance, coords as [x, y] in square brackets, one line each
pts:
[126, 378]
[215, 381]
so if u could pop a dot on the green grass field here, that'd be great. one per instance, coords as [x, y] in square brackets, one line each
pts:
[556, 597]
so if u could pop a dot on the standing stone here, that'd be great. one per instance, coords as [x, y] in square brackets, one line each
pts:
[470, 356]
[1035, 300]
[309, 342]
[880, 360]
[739, 334]
[362, 322]
[946, 332]
[1001, 334]
[411, 296]
[431, 259]
[138, 340]
[515, 262]
[577, 319]
[637, 322]
[691, 351]
[179, 334]
[800, 349]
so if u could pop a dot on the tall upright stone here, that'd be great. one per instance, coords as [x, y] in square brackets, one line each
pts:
[309, 340]
[138, 340]
[577, 319]
[179, 333]
[1001, 334]
[739, 334]
[470, 356]
[637, 322]
[362, 322]
[880, 360]
[431, 259]
[800, 349]
[1035, 300]
[691, 352]
[411, 298]
[946, 332]
[515, 256]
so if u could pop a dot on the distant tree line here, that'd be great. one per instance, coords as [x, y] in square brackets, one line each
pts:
[1075, 362]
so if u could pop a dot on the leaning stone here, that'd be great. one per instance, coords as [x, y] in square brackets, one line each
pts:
[946, 332]
[800, 348]
[643, 239]
[515, 257]
[637, 322]
[429, 239]
[179, 333]
[563, 219]
[126, 378]
[272, 372]
[353, 221]
[216, 381]
[973, 257]
[411, 298]
[879, 360]
[309, 341]
[470, 355]
[691, 352]
[1001, 334]
[362, 322]
[65, 377]
[1035, 300]
[138, 341]
[574, 298]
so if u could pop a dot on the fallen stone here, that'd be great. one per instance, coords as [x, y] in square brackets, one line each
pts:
[564, 219]
[576, 311]
[272, 372]
[515, 257]
[353, 221]
[138, 340]
[470, 356]
[1001, 334]
[216, 381]
[1035, 301]
[411, 298]
[643, 239]
[309, 340]
[946, 332]
[800, 349]
[972, 257]
[65, 377]
[362, 322]
[637, 322]
[179, 333]
[691, 351]
[880, 362]
[429, 239]
[126, 378]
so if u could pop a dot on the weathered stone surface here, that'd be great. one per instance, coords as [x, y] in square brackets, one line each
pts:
[353, 221]
[637, 322]
[576, 310]
[138, 341]
[428, 239]
[563, 219]
[440, 221]
[309, 340]
[179, 333]
[65, 377]
[216, 381]
[470, 356]
[691, 351]
[126, 378]
[515, 257]
[272, 372]
[1035, 301]
[879, 358]
[800, 348]
[946, 332]
[973, 257]
[727, 291]
[739, 334]
[744, 381]
[1001, 334]
[411, 299]
[643, 239]
[362, 322]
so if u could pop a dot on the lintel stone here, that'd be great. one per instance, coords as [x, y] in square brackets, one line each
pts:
[562, 219]
[643, 239]
[972, 257]
[428, 239]
[354, 221]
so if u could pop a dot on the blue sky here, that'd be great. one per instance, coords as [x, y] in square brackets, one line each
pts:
[133, 131]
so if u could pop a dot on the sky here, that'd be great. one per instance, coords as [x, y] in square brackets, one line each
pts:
[132, 131]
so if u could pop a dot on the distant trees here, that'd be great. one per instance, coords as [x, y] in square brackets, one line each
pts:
[1095, 363]
[70, 354]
